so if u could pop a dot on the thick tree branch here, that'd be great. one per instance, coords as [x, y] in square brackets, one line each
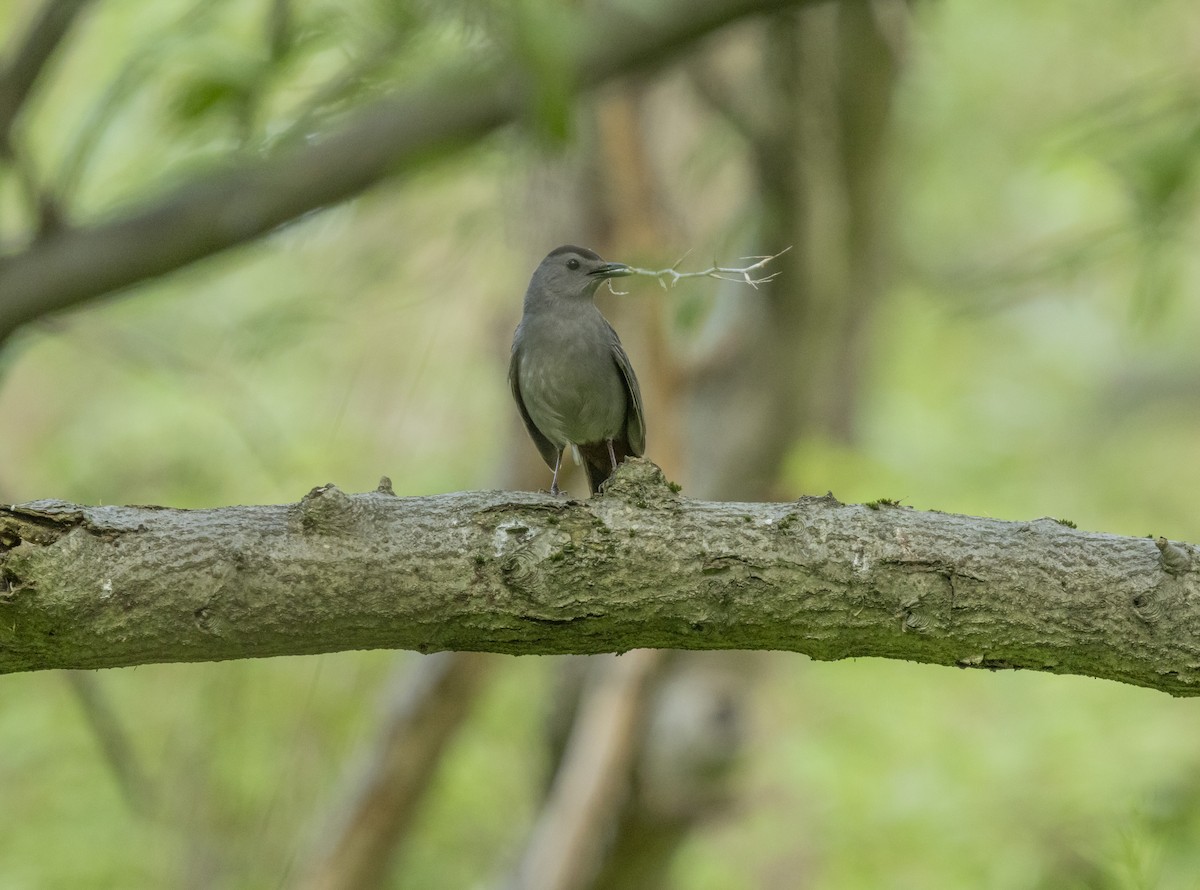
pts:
[524, 573]
[454, 106]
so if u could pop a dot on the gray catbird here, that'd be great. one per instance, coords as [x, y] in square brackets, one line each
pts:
[572, 380]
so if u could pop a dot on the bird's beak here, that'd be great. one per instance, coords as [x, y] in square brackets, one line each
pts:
[610, 270]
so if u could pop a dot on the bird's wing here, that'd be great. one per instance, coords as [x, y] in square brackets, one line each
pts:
[635, 422]
[544, 446]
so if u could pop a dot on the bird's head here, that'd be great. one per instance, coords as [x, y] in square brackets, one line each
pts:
[571, 272]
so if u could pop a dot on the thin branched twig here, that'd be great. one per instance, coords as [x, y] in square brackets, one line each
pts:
[668, 278]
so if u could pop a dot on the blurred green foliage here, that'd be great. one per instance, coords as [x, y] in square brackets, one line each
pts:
[1036, 356]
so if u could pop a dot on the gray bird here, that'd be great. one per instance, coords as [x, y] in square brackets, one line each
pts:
[572, 380]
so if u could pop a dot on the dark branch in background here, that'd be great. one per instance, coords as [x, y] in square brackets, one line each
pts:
[454, 107]
[280, 28]
[43, 206]
[114, 741]
[18, 76]
[21, 71]
[524, 573]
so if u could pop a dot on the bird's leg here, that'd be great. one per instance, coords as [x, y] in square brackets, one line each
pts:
[554, 482]
[612, 455]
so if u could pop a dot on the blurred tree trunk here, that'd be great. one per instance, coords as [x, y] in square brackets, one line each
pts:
[593, 779]
[617, 209]
[622, 215]
[428, 703]
[788, 360]
[791, 359]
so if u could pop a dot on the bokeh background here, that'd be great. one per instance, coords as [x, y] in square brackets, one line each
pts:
[989, 308]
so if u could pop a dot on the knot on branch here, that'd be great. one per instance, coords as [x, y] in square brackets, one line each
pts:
[522, 569]
[328, 510]
[1174, 559]
[640, 482]
[1149, 606]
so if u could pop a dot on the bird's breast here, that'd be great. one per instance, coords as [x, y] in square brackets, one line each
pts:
[571, 386]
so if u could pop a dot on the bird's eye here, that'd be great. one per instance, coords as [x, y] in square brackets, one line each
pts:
[572, 264]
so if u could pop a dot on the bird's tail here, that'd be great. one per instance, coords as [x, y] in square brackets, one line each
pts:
[598, 463]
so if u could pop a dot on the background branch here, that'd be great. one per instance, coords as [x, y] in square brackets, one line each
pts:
[594, 778]
[114, 742]
[26, 63]
[436, 698]
[525, 573]
[452, 108]
[19, 75]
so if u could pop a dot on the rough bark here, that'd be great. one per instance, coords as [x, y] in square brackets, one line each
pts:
[525, 573]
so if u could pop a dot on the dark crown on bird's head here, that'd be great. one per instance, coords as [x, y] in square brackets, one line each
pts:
[571, 248]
